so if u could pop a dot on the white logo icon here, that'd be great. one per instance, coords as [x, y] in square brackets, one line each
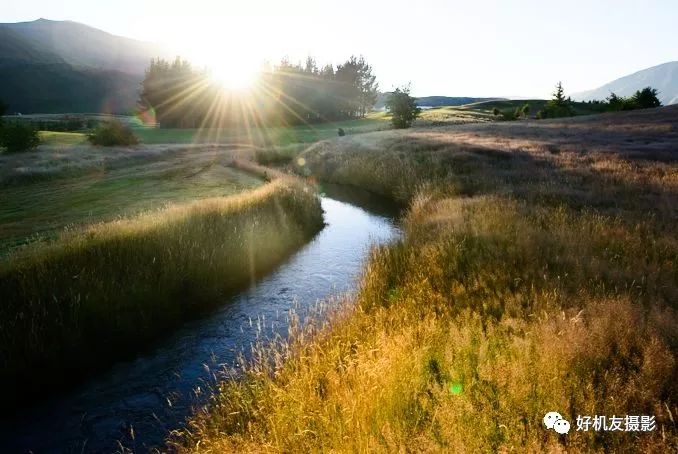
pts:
[553, 420]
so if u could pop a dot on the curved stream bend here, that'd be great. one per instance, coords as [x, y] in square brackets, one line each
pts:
[136, 403]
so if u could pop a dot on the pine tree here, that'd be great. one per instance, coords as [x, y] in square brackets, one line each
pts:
[402, 107]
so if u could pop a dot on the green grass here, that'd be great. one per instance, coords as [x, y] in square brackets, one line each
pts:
[101, 292]
[62, 139]
[41, 209]
[537, 273]
[270, 136]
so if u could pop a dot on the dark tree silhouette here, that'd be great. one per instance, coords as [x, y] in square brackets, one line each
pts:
[646, 98]
[286, 94]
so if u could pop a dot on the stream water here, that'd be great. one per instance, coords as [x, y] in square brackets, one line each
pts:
[135, 404]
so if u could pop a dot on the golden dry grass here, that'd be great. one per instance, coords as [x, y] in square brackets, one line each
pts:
[537, 273]
[99, 292]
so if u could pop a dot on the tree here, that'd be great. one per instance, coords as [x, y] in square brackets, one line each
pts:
[402, 107]
[559, 95]
[175, 95]
[641, 99]
[646, 98]
[357, 87]
[558, 106]
[19, 136]
[3, 111]
[615, 102]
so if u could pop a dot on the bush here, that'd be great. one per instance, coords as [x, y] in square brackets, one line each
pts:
[508, 115]
[19, 137]
[113, 133]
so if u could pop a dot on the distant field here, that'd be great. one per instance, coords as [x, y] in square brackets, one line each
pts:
[275, 136]
[272, 136]
[44, 207]
[483, 111]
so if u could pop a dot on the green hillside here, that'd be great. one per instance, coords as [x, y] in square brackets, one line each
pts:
[62, 66]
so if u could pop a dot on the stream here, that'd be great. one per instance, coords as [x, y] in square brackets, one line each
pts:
[134, 404]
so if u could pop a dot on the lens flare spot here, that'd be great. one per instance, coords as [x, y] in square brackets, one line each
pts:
[456, 388]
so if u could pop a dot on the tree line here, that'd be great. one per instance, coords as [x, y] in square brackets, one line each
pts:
[178, 95]
[559, 106]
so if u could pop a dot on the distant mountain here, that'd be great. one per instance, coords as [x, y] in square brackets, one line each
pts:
[15, 50]
[62, 66]
[663, 77]
[435, 101]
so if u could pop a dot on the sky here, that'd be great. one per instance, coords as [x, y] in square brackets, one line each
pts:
[482, 48]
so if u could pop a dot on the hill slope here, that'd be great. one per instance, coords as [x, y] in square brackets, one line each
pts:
[435, 101]
[81, 45]
[663, 77]
[62, 66]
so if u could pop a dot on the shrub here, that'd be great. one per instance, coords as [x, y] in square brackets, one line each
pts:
[341, 132]
[113, 133]
[495, 111]
[19, 137]
[509, 115]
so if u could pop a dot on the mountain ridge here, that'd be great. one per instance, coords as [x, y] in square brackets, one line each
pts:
[51, 66]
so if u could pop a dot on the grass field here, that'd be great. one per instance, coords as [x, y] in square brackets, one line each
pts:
[40, 208]
[254, 136]
[271, 136]
[483, 111]
[101, 292]
[537, 273]
[62, 139]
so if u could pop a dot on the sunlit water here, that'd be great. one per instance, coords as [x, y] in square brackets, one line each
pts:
[136, 403]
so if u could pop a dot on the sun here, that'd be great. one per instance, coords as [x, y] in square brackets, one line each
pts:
[237, 76]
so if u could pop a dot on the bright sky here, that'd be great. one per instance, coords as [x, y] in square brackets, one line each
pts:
[444, 47]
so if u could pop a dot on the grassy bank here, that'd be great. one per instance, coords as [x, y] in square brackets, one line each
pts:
[77, 188]
[537, 273]
[100, 292]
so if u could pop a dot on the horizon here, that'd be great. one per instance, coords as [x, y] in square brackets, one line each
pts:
[504, 62]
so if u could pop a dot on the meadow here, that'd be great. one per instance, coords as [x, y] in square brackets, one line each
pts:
[481, 112]
[135, 241]
[38, 209]
[537, 273]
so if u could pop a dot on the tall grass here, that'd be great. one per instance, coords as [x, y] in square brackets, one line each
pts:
[101, 292]
[526, 282]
